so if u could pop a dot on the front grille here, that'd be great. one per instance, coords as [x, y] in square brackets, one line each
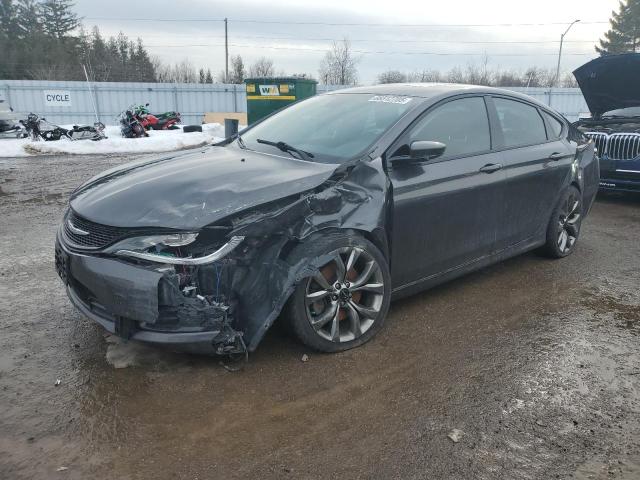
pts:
[97, 236]
[623, 146]
[617, 146]
[600, 139]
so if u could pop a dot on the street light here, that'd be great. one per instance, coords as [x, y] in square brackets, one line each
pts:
[560, 52]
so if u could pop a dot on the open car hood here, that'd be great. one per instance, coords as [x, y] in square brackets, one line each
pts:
[610, 82]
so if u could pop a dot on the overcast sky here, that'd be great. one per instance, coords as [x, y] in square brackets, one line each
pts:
[400, 34]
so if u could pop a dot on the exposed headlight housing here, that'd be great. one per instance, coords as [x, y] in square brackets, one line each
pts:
[138, 247]
[179, 239]
[147, 242]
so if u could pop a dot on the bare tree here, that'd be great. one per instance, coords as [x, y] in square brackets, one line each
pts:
[392, 76]
[569, 81]
[339, 65]
[183, 72]
[479, 74]
[263, 67]
[429, 76]
[539, 77]
[237, 73]
[507, 78]
[456, 75]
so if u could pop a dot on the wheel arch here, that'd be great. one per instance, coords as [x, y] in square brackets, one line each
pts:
[576, 184]
[378, 237]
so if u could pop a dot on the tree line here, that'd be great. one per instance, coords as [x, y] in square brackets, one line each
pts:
[45, 40]
[482, 74]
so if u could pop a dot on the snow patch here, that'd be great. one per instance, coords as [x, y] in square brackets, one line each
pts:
[156, 142]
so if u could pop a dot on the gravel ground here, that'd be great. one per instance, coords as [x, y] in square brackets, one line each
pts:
[535, 362]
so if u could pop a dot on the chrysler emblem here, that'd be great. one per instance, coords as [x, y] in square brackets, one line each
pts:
[75, 229]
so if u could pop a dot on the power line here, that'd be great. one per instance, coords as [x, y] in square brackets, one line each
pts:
[329, 39]
[365, 52]
[349, 24]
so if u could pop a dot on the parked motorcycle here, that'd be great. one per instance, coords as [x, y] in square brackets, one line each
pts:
[157, 121]
[39, 128]
[131, 124]
[10, 127]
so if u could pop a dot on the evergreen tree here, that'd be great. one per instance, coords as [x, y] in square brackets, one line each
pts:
[202, 76]
[209, 77]
[44, 40]
[29, 20]
[58, 18]
[146, 71]
[624, 34]
[8, 19]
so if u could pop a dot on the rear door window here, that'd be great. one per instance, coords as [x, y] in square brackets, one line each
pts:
[521, 123]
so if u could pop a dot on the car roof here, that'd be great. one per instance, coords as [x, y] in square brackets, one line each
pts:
[431, 90]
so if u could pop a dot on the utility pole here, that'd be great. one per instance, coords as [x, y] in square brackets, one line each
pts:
[226, 53]
[555, 83]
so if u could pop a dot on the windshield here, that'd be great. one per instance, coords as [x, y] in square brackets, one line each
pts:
[624, 112]
[332, 128]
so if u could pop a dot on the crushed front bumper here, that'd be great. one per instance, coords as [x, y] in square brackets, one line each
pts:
[141, 303]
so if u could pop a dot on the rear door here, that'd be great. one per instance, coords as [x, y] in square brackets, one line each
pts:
[447, 210]
[536, 162]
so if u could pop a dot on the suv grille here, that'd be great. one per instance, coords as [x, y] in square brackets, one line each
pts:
[623, 146]
[97, 236]
[600, 139]
[617, 146]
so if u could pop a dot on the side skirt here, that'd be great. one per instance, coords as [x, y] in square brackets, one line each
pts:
[414, 287]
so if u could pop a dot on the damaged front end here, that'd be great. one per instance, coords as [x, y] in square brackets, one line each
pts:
[219, 288]
[156, 298]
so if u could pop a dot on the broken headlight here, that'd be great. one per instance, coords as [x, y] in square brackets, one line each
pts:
[166, 249]
[158, 242]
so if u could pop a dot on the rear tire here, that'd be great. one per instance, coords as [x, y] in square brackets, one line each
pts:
[564, 227]
[345, 304]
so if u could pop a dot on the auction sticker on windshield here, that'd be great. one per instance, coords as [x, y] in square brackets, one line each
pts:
[390, 99]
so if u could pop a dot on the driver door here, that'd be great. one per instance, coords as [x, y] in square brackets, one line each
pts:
[446, 211]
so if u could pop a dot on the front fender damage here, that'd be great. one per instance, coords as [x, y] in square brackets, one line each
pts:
[259, 278]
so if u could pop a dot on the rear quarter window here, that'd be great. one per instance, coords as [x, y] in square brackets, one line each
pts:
[554, 124]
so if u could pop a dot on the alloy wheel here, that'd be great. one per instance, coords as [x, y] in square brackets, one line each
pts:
[345, 296]
[569, 223]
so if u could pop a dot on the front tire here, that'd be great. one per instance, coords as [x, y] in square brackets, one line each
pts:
[564, 227]
[345, 303]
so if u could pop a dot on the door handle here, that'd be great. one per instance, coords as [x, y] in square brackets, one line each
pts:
[555, 156]
[491, 167]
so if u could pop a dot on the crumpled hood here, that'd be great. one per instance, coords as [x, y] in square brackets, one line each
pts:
[610, 82]
[190, 190]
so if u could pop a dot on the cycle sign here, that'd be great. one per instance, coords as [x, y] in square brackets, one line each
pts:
[57, 98]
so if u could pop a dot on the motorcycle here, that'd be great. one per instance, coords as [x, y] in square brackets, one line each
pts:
[157, 121]
[131, 124]
[10, 127]
[39, 128]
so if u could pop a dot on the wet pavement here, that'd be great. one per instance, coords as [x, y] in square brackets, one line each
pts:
[536, 363]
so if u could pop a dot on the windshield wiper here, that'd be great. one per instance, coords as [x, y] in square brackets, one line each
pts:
[240, 141]
[285, 147]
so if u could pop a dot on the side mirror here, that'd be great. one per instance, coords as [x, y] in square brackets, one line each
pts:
[426, 150]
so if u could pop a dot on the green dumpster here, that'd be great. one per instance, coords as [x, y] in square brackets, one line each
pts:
[266, 95]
